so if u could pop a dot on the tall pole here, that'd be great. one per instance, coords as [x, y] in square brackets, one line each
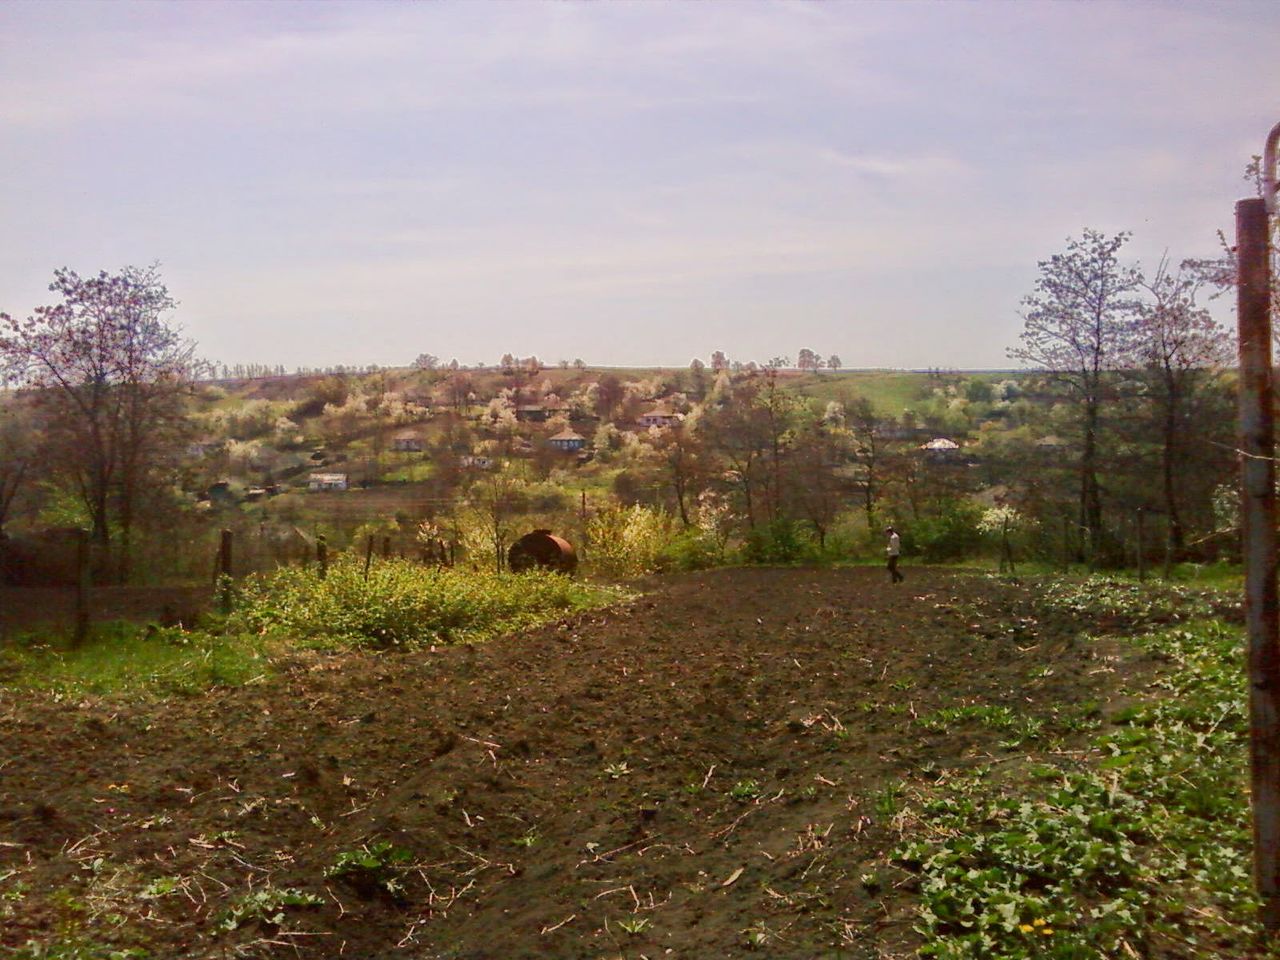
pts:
[1258, 485]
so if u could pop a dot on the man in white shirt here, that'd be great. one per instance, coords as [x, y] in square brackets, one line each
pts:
[893, 551]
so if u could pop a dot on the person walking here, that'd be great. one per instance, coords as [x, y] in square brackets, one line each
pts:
[893, 551]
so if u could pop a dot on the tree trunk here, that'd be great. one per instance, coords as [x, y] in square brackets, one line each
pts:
[1176, 535]
[1090, 495]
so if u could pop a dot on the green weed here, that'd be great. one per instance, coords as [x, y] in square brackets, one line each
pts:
[1149, 844]
[402, 602]
[128, 658]
[375, 867]
[265, 905]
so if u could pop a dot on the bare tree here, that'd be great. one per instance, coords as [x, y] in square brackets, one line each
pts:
[110, 377]
[1179, 345]
[493, 503]
[1077, 329]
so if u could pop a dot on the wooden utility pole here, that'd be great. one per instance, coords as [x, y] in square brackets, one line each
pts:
[1258, 509]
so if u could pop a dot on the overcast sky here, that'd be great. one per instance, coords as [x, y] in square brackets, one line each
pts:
[629, 183]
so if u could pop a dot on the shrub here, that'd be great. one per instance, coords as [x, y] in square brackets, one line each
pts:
[950, 534]
[402, 602]
[629, 541]
[690, 550]
[781, 541]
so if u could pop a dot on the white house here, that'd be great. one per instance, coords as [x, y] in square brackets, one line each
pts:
[327, 481]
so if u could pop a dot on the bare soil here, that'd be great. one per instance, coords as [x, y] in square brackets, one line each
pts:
[711, 771]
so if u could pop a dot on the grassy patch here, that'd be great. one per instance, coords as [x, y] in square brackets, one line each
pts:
[890, 391]
[402, 602]
[125, 658]
[1142, 850]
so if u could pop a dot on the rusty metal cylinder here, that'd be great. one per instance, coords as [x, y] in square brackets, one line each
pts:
[542, 550]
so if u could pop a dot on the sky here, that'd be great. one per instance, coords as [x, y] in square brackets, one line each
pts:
[630, 183]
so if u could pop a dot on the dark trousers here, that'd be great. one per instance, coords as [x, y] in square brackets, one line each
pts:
[893, 570]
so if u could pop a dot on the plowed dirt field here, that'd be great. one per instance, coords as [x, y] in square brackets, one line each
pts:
[713, 770]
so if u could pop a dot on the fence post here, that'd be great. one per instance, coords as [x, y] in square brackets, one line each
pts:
[82, 588]
[1142, 557]
[368, 556]
[1258, 507]
[224, 572]
[322, 555]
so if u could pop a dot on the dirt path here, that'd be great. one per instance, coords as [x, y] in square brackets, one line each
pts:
[713, 769]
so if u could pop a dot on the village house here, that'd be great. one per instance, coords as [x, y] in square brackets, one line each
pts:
[942, 450]
[659, 416]
[327, 481]
[532, 413]
[406, 443]
[568, 441]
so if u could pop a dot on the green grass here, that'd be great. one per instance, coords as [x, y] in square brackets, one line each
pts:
[890, 391]
[1142, 849]
[128, 658]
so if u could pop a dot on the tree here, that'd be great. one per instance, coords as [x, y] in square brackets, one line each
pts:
[719, 361]
[680, 451]
[868, 452]
[18, 454]
[1179, 345]
[1077, 329]
[426, 361]
[818, 451]
[110, 377]
[493, 503]
[808, 360]
[608, 395]
[833, 362]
